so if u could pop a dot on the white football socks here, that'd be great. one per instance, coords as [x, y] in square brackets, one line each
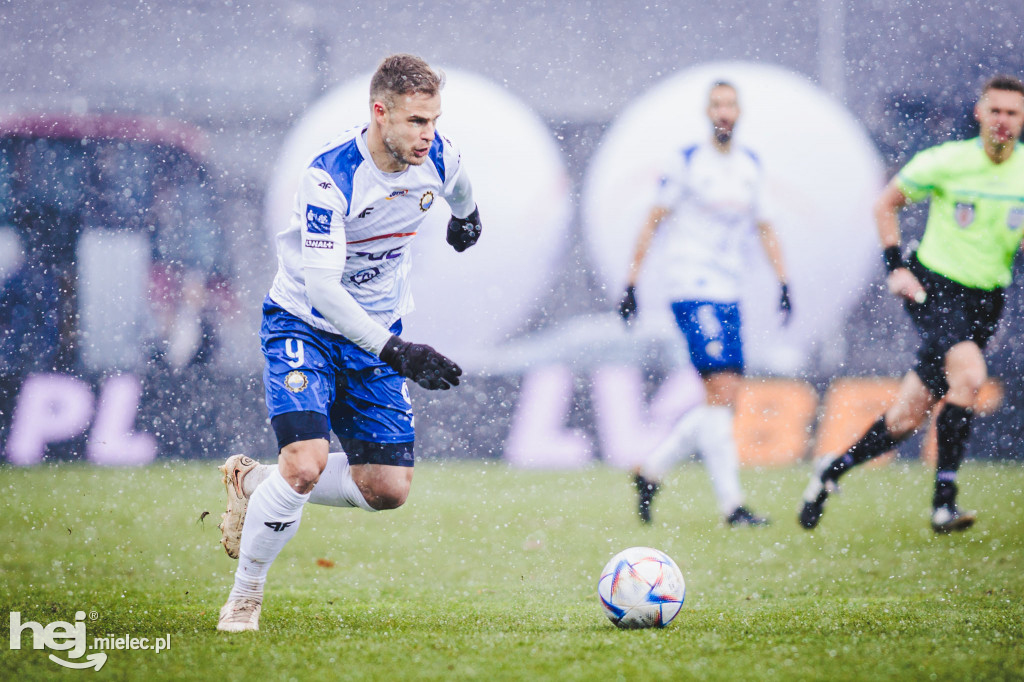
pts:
[271, 521]
[717, 447]
[334, 489]
[680, 444]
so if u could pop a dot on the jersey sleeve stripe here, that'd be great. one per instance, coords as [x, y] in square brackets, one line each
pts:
[341, 164]
[437, 154]
[382, 236]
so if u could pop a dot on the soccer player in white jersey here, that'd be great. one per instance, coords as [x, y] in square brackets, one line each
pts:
[709, 202]
[331, 326]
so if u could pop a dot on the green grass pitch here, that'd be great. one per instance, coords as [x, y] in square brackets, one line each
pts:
[490, 573]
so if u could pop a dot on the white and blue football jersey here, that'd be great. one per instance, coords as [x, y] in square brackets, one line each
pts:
[352, 217]
[715, 201]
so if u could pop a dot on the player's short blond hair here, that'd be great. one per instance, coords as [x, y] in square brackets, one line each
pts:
[403, 74]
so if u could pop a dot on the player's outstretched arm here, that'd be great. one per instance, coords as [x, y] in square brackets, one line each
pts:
[421, 363]
[773, 251]
[627, 304]
[900, 281]
[785, 304]
[464, 232]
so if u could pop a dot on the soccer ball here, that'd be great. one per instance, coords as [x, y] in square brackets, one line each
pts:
[641, 587]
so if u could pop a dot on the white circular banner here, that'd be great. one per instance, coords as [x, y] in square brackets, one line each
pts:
[466, 303]
[822, 174]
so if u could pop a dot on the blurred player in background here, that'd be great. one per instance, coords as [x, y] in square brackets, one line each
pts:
[710, 198]
[331, 325]
[952, 288]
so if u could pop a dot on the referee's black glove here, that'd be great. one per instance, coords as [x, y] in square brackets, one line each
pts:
[627, 305]
[421, 363]
[463, 232]
[785, 305]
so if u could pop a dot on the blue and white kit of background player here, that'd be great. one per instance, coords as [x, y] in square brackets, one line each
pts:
[715, 203]
[348, 242]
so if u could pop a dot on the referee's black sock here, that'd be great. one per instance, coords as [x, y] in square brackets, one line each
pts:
[952, 428]
[875, 442]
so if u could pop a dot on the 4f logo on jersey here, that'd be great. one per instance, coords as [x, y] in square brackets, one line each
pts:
[365, 212]
[325, 185]
[318, 220]
[277, 526]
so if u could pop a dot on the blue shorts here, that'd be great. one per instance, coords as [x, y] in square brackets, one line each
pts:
[308, 370]
[712, 332]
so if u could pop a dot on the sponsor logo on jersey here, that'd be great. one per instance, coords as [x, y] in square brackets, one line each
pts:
[382, 255]
[325, 185]
[364, 276]
[964, 213]
[397, 193]
[318, 220]
[1015, 217]
[426, 201]
[295, 381]
[319, 243]
[365, 212]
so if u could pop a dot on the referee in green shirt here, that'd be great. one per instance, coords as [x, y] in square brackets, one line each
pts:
[952, 288]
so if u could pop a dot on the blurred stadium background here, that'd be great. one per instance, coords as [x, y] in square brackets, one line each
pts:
[134, 263]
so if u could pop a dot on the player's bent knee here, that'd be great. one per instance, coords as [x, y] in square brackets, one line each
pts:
[383, 488]
[392, 498]
[302, 463]
[900, 420]
[967, 381]
[304, 476]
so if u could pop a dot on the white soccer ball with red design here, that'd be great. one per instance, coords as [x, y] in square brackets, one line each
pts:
[641, 587]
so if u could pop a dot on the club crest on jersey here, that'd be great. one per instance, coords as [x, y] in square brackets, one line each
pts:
[318, 220]
[1015, 217]
[397, 193]
[295, 381]
[426, 201]
[964, 214]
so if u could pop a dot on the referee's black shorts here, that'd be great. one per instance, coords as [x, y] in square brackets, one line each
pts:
[952, 313]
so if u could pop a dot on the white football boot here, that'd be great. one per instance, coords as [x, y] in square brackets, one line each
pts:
[240, 615]
[949, 519]
[234, 470]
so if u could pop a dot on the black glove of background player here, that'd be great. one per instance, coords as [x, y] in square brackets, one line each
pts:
[463, 232]
[785, 305]
[421, 363]
[627, 304]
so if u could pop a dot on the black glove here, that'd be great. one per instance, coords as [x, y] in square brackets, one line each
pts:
[785, 305]
[421, 363]
[463, 232]
[627, 304]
